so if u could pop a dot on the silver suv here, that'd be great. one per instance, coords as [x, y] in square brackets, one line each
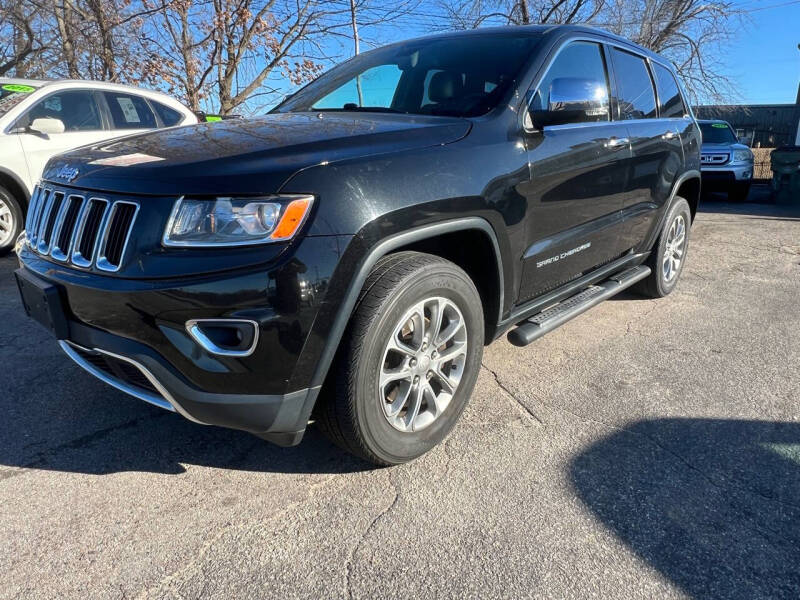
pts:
[725, 163]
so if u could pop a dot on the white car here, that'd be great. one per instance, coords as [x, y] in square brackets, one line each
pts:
[39, 119]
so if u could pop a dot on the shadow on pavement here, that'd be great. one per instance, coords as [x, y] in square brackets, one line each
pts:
[714, 505]
[759, 205]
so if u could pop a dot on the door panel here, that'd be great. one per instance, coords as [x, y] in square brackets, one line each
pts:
[574, 201]
[657, 161]
[39, 149]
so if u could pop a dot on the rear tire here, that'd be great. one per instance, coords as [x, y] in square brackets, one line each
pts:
[739, 192]
[408, 361]
[11, 221]
[669, 254]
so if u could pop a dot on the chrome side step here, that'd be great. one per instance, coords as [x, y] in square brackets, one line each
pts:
[568, 309]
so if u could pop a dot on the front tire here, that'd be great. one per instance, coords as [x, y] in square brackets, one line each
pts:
[11, 221]
[739, 192]
[668, 256]
[408, 362]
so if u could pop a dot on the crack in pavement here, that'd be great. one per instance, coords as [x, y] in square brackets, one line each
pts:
[178, 578]
[349, 564]
[513, 397]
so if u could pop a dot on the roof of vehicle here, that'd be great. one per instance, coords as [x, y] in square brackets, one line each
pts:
[89, 83]
[544, 30]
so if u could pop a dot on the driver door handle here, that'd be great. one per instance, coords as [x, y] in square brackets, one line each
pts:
[668, 135]
[616, 143]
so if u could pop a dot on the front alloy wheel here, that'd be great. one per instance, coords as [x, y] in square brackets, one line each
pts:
[10, 221]
[408, 362]
[423, 364]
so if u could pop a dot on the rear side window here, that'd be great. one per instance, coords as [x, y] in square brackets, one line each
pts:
[579, 60]
[77, 109]
[129, 111]
[669, 96]
[637, 99]
[168, 116]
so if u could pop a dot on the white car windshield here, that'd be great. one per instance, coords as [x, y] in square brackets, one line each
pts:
[12, 94]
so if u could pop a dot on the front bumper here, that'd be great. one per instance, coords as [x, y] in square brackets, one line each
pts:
[132, 334]
[726, 175]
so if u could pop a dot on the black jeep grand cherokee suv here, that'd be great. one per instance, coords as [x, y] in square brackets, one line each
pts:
[345, 258]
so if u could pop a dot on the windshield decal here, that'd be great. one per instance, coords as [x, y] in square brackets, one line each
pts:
[18, 88]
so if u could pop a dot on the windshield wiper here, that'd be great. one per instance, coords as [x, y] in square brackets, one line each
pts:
[356, 108]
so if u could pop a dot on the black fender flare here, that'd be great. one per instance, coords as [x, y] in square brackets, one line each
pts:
[380, 250]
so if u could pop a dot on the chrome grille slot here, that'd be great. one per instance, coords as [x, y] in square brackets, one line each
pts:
[48, 222]
[88, 232]
[117, 232]
[62, 239]
[32, 207]
[44, 198]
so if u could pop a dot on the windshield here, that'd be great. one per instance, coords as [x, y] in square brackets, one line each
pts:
[12, 94]
[717, 133]
[463, 76]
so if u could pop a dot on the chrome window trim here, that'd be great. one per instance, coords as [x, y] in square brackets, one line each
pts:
[101, 262]
[200, 338]
[602, 41]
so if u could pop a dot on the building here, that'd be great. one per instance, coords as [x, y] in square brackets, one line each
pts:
[762, 125]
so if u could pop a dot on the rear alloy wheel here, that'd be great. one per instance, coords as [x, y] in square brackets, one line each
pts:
[10, 221]
[668, 256]
[408, 362]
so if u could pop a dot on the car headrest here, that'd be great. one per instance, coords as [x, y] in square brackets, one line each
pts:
[445, 85]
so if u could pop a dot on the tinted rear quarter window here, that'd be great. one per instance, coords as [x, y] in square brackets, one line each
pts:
[582, 60]
[129, 111]
[635, 92]
[169, 117]
[669, 96]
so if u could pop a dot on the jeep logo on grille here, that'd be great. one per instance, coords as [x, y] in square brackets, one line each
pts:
[67, 173]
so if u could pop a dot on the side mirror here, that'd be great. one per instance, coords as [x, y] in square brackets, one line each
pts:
[573, 100]
[47, 126]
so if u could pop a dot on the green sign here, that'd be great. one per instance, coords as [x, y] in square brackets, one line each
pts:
[20, 89]
[213, 118]
[719, 125]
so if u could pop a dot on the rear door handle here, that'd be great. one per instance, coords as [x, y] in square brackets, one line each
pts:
[615, 143]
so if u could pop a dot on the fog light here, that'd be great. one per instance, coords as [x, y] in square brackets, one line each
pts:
[224, 337]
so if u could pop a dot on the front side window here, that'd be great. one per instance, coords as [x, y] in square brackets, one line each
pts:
[578, 62]
[129, 111]
[670, 100]
[637, 99]
[461, 76]
[77, 109]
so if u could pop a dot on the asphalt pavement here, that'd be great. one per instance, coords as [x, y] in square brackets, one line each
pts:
[647, 449]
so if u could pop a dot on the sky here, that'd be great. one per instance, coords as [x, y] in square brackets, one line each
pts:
[764, 59]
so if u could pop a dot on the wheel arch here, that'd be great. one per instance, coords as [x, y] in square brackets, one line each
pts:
[422, 239]
[688, 188]
[14, 185]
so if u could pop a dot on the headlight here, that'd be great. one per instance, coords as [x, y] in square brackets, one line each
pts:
[742, 156]
[236, 221]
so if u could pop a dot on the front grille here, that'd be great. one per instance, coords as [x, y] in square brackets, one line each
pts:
[714, 159]
[83, 230]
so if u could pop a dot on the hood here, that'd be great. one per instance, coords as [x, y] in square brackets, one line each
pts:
[728, 147]
[254, 156]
